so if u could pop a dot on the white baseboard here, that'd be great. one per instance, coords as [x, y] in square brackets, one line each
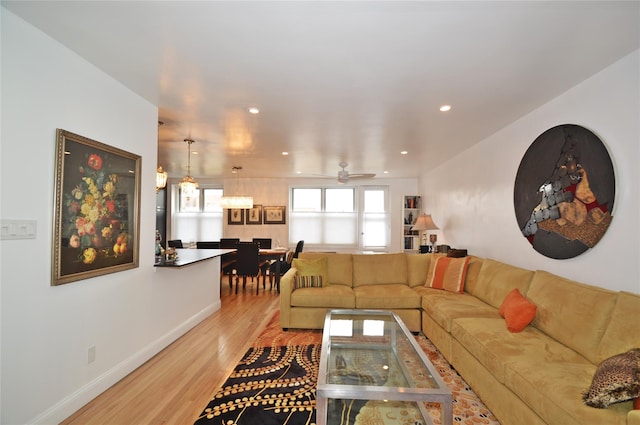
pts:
[72, 403]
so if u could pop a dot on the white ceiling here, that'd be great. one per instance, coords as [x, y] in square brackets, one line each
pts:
[337, 81]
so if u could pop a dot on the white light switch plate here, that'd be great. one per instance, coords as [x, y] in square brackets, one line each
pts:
[18, 229]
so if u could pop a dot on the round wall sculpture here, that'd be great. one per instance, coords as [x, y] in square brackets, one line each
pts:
[564, 192]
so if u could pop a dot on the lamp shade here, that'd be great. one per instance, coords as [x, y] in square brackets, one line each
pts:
[424, 222]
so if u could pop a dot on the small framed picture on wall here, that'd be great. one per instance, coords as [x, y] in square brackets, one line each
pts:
[254, 215]
[274, 215]
[235, 216]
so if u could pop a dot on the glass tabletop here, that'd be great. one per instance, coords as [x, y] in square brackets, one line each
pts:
[371, 355]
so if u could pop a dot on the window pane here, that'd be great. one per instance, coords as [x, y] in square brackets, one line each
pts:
[375, 234]
[190, 203]
[339, 200]
[212, 200]
[340, 229]
[307, 200]
[374, 201]
[307, 227]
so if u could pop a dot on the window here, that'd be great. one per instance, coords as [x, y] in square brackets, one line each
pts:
[197, 218]
[330, 218]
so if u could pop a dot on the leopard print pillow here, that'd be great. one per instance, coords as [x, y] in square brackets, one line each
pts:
[616, 379]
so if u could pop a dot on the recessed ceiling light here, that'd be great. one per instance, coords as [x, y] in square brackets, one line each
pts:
[385, 172]
[254, 110]
[404, 153]
[298, 172]
[194, 152]
[285, 153]
[445, 108]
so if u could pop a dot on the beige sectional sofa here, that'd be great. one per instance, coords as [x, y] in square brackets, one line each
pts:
[536, 376]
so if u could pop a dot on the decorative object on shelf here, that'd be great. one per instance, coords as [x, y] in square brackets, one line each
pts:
[564, 192]
[188, 185]
[425, 222]
[236, 201]
[235, 216]
[274, 215]
[97, 209]
[161, 179]
[254, 215]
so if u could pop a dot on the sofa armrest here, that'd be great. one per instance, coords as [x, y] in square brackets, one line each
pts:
[286, 288]
[633, 417]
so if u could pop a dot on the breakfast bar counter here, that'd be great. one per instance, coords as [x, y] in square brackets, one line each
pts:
[191, 256]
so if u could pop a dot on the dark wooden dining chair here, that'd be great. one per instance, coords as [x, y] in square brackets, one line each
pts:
[247, 263]
[208, 245]
[175, 243]
[286, 264]
[228, 261]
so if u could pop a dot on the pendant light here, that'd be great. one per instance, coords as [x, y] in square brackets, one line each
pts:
[161, 175]
[188, 186]
[236, 201]
[161, 179]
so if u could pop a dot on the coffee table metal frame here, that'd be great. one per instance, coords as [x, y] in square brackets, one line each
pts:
[440, 393]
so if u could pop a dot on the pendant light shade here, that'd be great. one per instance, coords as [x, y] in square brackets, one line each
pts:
[188, 185]
[236, 201]
[161, 179]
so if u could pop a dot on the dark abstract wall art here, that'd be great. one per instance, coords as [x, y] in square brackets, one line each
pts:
[564, 192]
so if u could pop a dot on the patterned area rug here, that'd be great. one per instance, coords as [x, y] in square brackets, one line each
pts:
[274, 384]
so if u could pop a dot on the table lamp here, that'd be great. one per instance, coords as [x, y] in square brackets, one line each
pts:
[425, 222]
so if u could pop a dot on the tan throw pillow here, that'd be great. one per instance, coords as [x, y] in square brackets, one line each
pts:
[448, 274]
[315, 267]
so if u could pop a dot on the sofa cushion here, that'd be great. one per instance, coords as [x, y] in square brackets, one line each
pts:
[333, 296]
[494, 346]
[379, 269]
[553, 389]
[340, 267]
[565, 306]
[616, 379]
[622, 324]
[386, 296]
[517, 311]
[443, 307]
[449, 274]
[417, 268]
[496, 280]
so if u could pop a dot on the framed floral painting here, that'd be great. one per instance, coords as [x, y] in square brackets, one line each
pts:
[97, 209]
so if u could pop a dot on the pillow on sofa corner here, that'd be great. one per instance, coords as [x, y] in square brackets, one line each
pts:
[617, 379]
[315, 267]
[448, 274]
[517, 311]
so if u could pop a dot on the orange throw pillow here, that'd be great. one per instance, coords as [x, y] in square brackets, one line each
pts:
[517, 311]
[448, 274]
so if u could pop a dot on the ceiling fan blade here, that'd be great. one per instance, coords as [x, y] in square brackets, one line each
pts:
[362, 176]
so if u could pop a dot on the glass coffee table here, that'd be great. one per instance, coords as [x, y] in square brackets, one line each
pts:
[372, 367]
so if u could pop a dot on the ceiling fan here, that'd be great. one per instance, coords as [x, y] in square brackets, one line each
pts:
[344, 176]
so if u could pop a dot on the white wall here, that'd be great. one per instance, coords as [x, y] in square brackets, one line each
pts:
[471, 196]
[128, 316]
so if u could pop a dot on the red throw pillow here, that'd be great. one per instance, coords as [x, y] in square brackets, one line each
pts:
[517, 311]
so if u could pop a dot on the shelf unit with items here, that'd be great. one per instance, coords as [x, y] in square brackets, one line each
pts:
[410, 211]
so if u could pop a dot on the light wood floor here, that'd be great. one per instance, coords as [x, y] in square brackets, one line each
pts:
[175, 386]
